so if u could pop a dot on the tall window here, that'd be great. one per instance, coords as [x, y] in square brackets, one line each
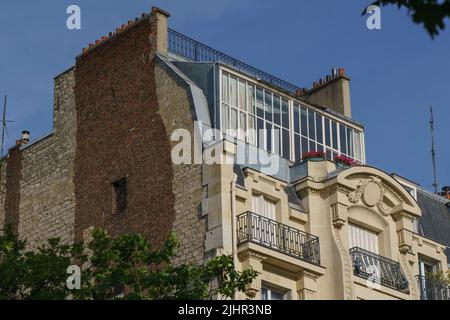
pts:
[247, 108]
[263, 206]
[120, 191]
[362, 238]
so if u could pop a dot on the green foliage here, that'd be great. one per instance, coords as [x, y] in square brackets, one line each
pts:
[438, 278]
[430, 13]
[109, 265]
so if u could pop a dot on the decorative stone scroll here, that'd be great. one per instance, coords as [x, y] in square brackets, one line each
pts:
[371, 192]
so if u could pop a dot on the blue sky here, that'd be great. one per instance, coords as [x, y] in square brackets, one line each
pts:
[397, 72]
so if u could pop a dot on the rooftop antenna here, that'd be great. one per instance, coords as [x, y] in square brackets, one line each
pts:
[433, 151]
[4, 127]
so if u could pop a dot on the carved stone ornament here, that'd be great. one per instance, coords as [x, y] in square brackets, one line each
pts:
[371, 192]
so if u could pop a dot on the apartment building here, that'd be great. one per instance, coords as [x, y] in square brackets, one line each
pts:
[315, 228]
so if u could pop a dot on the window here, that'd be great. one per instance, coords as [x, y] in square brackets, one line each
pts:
[120, 191]
[268, 293]
[362, 238]
[426, 268]
[247, 108]
[263, 207]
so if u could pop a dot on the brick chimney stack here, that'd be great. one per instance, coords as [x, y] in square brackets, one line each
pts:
[333, 92]
[446, 192]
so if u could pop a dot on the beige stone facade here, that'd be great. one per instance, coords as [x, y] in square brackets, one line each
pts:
[313, 229]
[333, 200]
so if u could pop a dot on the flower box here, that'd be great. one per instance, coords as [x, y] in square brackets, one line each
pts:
[344, 161]
[314, 156]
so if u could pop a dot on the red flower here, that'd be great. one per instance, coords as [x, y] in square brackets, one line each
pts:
[314, 154]
[345, 160]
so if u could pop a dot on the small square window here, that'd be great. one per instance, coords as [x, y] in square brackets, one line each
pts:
[120, 191]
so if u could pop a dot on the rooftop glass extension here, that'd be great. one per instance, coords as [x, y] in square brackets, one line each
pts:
[289, 127]
[282, 125]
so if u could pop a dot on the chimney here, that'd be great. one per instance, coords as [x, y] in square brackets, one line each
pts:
[446, 192]
[25, 137]
[333, 92]
[161, 19]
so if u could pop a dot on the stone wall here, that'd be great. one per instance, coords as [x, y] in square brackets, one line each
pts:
[175, 105]
[47, 200]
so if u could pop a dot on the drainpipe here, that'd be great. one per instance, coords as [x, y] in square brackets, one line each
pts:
[233, 221]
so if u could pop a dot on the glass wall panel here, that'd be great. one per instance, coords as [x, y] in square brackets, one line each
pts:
[334, 135]
[311, 125]
[304, 121]
[319, 133]
[286, 147]
[343, 139]
[296, 118]
[297, 143]
[225, 117]
[285, 110]
[268, 105]
[233, 91]
[242, 94]
[276, 110]
[269, 136]
[251, 107]
[327, 132]
[225, 88]
[259, 103]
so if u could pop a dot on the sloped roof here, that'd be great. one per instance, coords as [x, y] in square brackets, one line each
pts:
[435, 220]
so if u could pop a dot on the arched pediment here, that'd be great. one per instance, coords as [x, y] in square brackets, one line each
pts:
[374, 188]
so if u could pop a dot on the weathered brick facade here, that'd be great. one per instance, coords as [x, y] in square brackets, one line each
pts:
[114, 114]
[121, 134]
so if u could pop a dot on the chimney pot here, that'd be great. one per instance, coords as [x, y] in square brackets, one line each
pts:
[334, 73]
[25, 137]
[341, 72]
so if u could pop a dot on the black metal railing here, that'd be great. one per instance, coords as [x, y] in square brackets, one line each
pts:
[377, 269]
[193, 50]
[432, 289]
[255, 228]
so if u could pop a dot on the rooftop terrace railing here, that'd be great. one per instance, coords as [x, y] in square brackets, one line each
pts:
[193, 50]
[271, 234]
[378, 269]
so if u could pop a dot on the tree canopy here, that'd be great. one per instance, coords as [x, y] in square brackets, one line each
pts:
[125, 267]
[431, 13]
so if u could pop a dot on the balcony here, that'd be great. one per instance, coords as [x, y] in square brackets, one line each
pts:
[377, 269]
[268, 233]
[431, 289]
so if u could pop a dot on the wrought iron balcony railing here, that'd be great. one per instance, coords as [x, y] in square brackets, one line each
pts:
[268, 233]
[431, 289]
[377, 269]
[193, 50]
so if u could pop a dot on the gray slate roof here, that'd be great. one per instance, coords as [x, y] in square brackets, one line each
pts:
[435, 220]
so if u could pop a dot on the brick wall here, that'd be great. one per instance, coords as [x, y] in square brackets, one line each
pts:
[121, 134]
[113, 117]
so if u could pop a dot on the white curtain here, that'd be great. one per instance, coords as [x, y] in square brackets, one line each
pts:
[363, 238]
[263, 207]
